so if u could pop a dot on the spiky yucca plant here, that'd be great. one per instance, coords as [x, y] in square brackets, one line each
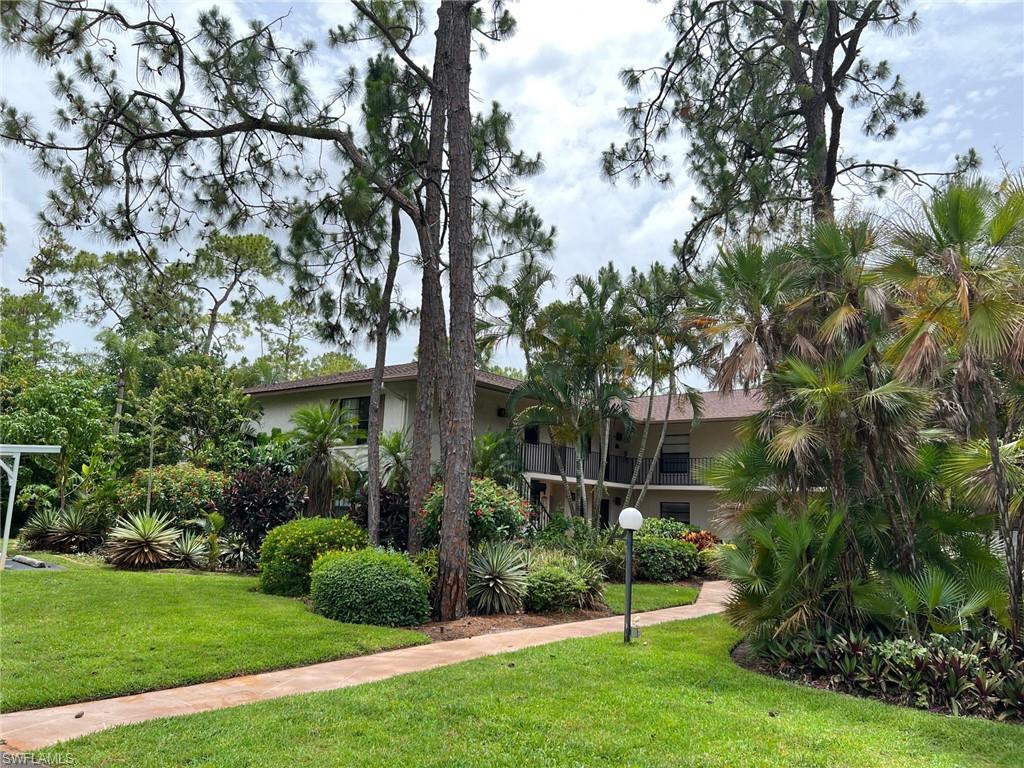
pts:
[142, 541]
[39, 529]
[76, 531]
[497, 578]
[192, 550]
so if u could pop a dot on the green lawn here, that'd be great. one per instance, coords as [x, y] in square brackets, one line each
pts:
[675, 699]
[649, 597]
[90, 632]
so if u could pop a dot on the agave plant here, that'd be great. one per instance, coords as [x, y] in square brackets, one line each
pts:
[236, 553]
[39, 529]
[497, 578]
[75, 531]
[192, 550]
[142, 541]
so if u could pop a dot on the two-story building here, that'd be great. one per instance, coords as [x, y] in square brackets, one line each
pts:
[677, 488]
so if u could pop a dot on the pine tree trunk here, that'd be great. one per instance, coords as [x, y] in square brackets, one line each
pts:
[377, 385]
[454, 549]
[432, 332]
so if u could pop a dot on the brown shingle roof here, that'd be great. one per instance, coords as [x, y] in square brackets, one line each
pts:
[733, 405]
[402, 372]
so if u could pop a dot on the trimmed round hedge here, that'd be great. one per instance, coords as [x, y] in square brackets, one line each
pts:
[289, 550]
[662, 559]
[369, 586]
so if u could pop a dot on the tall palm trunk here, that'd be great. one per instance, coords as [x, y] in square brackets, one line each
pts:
[599, 487]
[454, 549]
[581, 493]
[661, 441]
[122, 385]
[638, 460]
[377, 384]
[560, 464]
[1011, 538]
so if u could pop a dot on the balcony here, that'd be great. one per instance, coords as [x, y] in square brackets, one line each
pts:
[540, 458]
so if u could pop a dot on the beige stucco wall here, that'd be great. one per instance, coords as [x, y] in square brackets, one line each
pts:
[278, 407]
[399, 407]
[702, 502]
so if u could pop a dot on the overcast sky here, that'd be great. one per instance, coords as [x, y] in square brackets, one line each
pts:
[559, 78]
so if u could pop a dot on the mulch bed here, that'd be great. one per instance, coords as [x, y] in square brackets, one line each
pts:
[471, 626]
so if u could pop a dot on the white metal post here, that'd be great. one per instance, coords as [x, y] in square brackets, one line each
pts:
[12, 476]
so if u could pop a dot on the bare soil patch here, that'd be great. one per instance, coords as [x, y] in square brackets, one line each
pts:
[471, 626]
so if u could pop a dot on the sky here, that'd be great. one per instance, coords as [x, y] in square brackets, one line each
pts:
[558, 76]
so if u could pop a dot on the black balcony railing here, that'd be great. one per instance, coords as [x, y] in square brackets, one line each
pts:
[543, 459]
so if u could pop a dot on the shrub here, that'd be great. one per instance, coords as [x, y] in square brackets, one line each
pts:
[191, 550]
[259, 499]
[702, 540]
[664, 528]
[963, 674]
[236, 554]
[181, 492]
[497, 578]
[553, 589]
[142, 541]
[587, 578]
[611, 558]
[495, 513]
[369, 586]
[662, 559]
[426, 561]
[289, 550]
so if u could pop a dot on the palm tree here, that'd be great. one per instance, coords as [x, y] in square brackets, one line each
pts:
[521, 316]
[960, 277]
[320, 431]
[652, 302]
[742, 305]
[562, 406]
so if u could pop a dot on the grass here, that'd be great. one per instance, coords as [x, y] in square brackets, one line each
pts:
[90, 632]
[675, 699]
[649, 597]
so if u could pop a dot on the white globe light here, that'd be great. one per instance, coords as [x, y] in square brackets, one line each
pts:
[631, 519]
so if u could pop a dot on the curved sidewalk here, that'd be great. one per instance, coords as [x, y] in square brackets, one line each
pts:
[38, 728]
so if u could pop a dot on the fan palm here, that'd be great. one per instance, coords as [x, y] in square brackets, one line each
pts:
[960, 275]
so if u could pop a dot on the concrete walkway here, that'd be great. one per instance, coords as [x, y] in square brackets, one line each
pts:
[38, 728]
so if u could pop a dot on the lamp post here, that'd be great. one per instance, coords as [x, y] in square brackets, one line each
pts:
[630, 519]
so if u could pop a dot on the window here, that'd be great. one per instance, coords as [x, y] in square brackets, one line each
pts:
[674, 463]
[676, 510]
[357, 409]
[675, 455]
[531, 435]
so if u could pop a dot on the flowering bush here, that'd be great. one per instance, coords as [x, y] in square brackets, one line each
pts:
[495, 513]
[181, 492]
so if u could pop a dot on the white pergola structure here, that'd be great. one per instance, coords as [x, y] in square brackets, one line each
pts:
[10, 462]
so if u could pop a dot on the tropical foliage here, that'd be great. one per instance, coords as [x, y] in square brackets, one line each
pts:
[879, 489]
